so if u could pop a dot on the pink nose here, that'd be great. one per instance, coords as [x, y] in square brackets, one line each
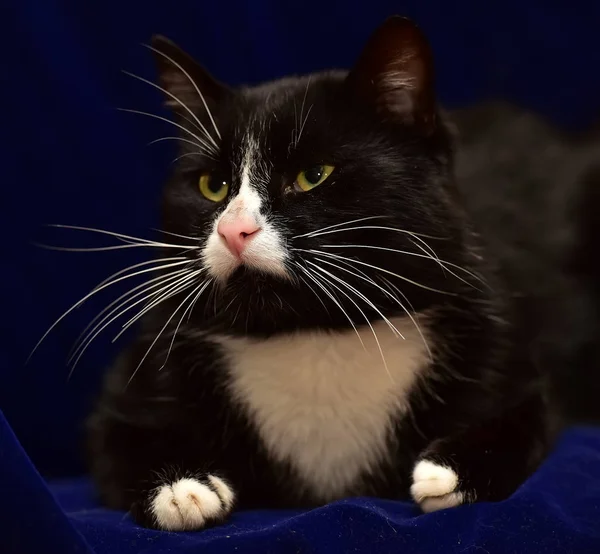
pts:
[237, 234]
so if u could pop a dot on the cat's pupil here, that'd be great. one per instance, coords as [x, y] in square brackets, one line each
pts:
[314, 174]
[215, 185]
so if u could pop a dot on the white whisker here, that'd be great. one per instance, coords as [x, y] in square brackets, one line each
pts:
[162, 330]
[181, 139]
[338, 225]
[196, 123]
[231, 302]
[315, 293]
[178, 66]
[393, 288]
[181, 285]
[237, 313]
[165, 283]
[468, 272]
[188, 120]
[189, 309]
[299, 133]
[313, 278]
[141, 264]
[376, 227]
[362, 297]
[303, 124]
[99, 248]
[166, 120]
[426, 248]
[397, 300]
[187, 237]
[365, 317]
[123, 296]
[295, 129]
[366, 277]
[193, 304]
[337, 257]
[188, 154]
[89, 295]
[119, 236]
[442, 263]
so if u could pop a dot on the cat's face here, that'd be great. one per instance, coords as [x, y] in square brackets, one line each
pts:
[311, 199]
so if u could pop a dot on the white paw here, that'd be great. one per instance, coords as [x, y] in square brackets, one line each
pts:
[434, 487]
[187, 504]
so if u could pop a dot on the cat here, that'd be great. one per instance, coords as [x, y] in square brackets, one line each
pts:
[346, 322]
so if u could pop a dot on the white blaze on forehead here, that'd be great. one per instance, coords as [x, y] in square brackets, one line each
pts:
[265, 251]
[247, 202]
[248, 192]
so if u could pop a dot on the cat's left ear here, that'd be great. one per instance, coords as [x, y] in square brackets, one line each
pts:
[395, 75]
[184, 79]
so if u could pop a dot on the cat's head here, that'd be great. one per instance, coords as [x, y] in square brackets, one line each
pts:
[318, 200]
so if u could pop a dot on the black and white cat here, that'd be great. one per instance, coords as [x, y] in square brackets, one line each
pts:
[338, 327]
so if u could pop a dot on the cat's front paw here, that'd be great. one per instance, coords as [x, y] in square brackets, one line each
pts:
[436, 486]
[191, 504]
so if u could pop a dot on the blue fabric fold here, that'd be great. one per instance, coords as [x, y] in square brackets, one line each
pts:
[31, 519]
[556, 510]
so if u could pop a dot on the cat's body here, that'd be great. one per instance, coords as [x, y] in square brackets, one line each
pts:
[532, 194]
[356, 339]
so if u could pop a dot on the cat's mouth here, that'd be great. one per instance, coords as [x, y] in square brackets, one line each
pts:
[260, 265]
[260, 252]
[252, 301]
[252, 277]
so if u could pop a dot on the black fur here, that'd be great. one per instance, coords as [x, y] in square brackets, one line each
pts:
[481, 408]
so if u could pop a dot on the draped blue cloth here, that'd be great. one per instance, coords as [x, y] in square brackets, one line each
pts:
[556, 510]
[68, 156]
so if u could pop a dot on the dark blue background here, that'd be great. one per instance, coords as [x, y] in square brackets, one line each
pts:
[67, 156]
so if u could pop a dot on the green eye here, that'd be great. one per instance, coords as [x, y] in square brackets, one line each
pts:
[215, 189]
[312, 177]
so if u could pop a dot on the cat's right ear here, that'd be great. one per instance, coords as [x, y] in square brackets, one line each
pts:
[394, 74]
[183, 79]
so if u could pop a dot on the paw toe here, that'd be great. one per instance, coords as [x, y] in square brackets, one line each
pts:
[435, 503]
[435, 486]
[185, 505]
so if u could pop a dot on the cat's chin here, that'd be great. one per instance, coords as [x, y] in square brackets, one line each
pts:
[249, 299]
[256, 303]
[244, 276]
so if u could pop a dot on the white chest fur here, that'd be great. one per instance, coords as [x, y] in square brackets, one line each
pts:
[322, 401]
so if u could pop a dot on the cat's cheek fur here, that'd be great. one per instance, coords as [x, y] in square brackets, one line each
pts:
[220, 262]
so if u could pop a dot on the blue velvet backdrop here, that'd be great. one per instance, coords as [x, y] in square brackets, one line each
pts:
[67, 156]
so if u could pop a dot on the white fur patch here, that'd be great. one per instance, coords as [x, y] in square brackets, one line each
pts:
[434, 487]
[185, 505]
[266, 251]
[436, 503]
[324, 403]
[227, 495]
